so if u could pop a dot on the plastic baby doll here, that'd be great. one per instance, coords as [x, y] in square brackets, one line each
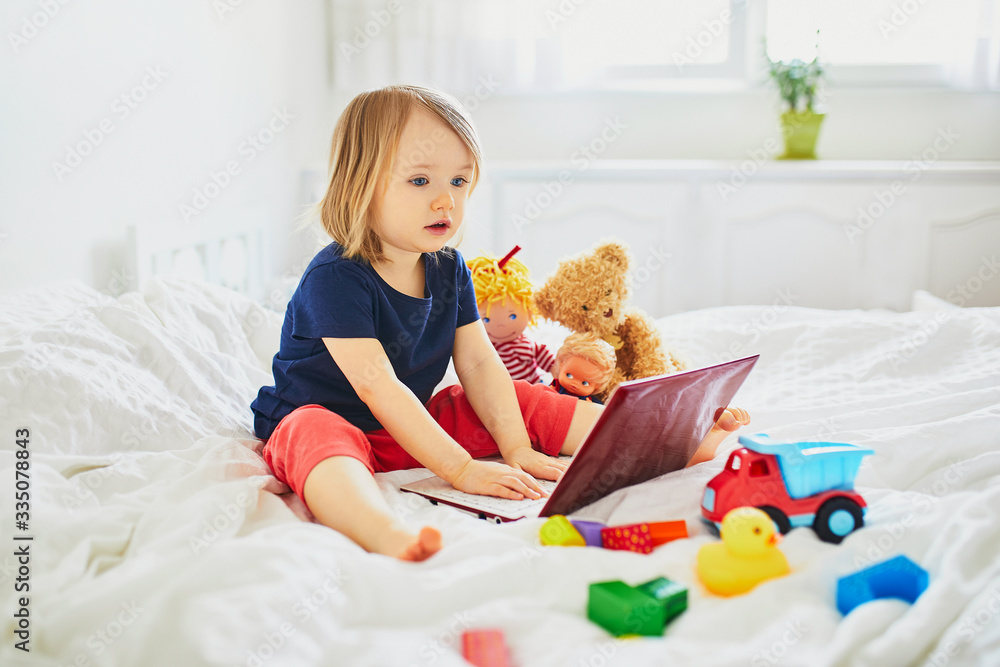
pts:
[584, 366]
[503, 294]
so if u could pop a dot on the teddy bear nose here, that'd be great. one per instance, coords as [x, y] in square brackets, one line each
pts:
[608, 313]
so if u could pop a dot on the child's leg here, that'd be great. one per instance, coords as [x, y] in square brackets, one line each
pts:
[326, 461]
[342, 494]
[584, 416]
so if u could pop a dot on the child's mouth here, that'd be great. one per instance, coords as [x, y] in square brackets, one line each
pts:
[439, 227]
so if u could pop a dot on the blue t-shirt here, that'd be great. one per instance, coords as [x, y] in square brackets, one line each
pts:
[344, 298]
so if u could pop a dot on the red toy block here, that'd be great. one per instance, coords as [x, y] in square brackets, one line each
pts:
[665, 531]
[635, 537]
[484, 648]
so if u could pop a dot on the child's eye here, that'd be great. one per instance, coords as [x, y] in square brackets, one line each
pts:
[486, 320]
[513, 316]
[585, 383]
[421, 179]
[458, 181]
[569, 376]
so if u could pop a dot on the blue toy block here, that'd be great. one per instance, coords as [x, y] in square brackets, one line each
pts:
[897, 577]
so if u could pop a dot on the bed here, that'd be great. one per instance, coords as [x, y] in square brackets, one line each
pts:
[161, 538]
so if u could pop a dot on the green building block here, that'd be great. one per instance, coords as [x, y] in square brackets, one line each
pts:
[672, 595]
[622, 610]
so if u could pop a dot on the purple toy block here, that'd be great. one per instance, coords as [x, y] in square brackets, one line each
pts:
[591, 531]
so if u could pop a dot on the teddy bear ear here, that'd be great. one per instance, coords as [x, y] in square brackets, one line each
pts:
[613, 251]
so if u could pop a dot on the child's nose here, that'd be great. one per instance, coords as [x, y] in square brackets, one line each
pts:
[443, 202]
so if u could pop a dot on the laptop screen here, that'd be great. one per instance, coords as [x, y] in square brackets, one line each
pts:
[649, 427]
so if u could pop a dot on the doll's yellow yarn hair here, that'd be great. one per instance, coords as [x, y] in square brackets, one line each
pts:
[493, 284]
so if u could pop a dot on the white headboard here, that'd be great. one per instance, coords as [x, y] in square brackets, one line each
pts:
[222, 251]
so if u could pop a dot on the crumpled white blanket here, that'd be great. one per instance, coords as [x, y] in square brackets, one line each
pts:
[160, 537]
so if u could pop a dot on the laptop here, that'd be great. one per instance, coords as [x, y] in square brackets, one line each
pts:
[650, 427]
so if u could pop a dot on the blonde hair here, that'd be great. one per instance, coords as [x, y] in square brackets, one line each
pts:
[494, 283]
[365, 141]
[594, 349]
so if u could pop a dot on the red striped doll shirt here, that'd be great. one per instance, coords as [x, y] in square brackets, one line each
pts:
[525, 359]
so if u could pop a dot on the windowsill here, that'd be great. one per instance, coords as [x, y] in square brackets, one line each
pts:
[781, 169]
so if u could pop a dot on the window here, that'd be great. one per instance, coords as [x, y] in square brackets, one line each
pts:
[524, 46]
[758, 468]
[888, 41]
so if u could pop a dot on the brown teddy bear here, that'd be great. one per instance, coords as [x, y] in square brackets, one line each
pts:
[588, 293]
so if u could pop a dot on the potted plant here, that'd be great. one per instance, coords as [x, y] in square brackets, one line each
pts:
[797, 81]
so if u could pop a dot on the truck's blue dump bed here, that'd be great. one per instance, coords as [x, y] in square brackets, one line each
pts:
[811, 467]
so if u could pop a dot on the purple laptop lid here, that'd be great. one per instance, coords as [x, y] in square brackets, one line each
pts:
[649, 427]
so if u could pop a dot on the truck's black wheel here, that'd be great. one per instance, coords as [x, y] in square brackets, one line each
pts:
[837, 518]
[779, 518]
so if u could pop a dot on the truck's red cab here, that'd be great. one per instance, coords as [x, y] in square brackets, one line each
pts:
[754, 479]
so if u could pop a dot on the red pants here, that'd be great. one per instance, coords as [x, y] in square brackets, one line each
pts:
[312, 433]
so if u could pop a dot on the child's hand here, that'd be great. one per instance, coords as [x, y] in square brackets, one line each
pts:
[537, 464]
[488, 478]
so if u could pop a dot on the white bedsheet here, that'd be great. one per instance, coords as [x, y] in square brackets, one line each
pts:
[160, 537]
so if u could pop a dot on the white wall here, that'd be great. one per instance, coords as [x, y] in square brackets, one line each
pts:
[861, 123]
[224, 74]
[219, 77]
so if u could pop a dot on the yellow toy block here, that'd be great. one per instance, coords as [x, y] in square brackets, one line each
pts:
[559, 532]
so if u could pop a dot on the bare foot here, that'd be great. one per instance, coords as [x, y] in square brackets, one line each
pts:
[404, 545]
[731, 420]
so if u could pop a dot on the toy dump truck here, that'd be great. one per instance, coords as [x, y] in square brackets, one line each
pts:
[795, 483]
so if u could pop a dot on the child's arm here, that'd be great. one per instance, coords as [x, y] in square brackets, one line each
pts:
[366, 366]
[490, 391]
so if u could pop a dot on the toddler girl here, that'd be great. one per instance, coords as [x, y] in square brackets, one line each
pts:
[372, 325]
[370, 329]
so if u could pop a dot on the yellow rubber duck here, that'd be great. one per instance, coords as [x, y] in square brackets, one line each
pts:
[747, 555]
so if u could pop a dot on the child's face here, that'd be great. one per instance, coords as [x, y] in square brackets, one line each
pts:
[421, 205]
[579, 376]
[506, 320]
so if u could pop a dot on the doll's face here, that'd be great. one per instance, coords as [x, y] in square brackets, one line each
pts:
[579, 376]
[505, 322]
